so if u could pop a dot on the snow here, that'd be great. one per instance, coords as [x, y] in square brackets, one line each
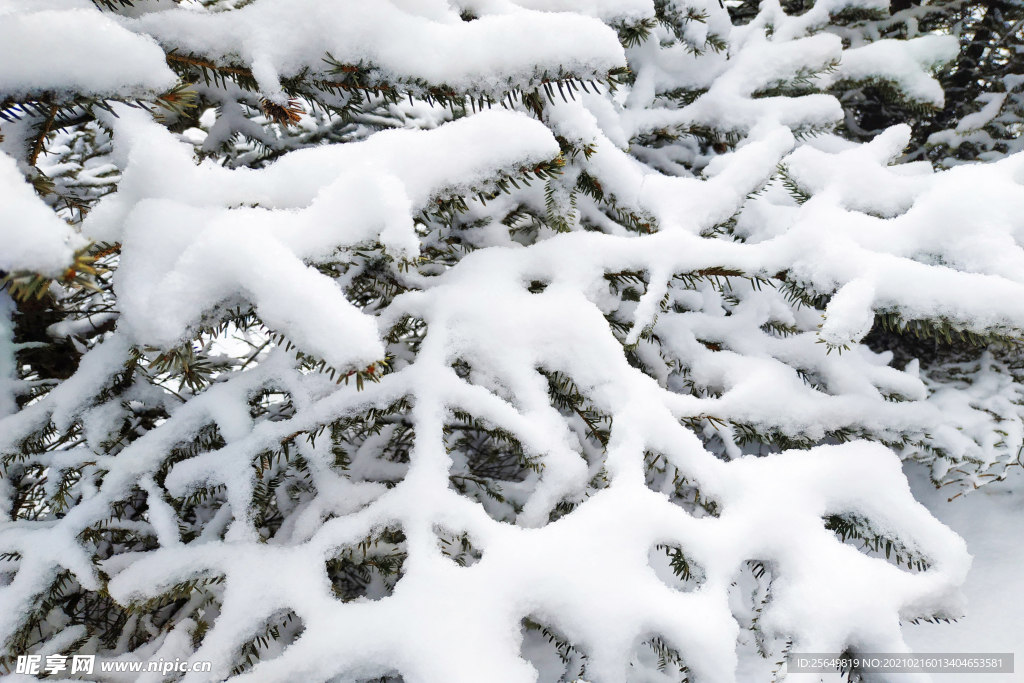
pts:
[709, 346]
[66, 401]
[512, 47]
[608, 10]
[988, 520]
[927, 214]
[907, 63]
[55, 46]
[176, 237]
[31, 237]
[992, 522]
[474, 637]
[753, 64]
[993, 103]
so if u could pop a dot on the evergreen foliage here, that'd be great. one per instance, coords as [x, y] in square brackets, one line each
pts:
[980, 117]
[361, 363]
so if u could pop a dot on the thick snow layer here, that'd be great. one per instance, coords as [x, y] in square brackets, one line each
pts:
[903, 247]
[183, 246]
[31, 237]
[479, 604]
[487, 55]
[56, 46]
[754, 64]
[480, 311]
[608, 10]
[730, 235]
[906, 63]
[992, 523]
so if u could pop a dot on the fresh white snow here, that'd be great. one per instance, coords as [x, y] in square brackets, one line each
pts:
[682, 371]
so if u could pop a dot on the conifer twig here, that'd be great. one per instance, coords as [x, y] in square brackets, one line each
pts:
[37, 148]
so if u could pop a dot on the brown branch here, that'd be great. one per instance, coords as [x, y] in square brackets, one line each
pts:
[603, 440]
[37, 148]
[206, 64]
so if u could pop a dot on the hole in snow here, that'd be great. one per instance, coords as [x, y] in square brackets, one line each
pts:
[202, 513]
[537, 286]
[457, 547]
[370, 569]
[489, 465]
[271, 405]
[663, 477]
[373, 445]
[282, 486]
[553, 655]
[749, 595]
[859, 532]
[524, 225]
[591, 425]
[276, 634]
[199, 598]
[674, 568]
[462, 369]
[404, 340]
[655, 661]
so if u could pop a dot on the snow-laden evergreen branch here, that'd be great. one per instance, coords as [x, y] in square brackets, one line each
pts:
[414, 338]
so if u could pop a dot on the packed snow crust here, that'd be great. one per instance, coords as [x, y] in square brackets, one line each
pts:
[697, 361]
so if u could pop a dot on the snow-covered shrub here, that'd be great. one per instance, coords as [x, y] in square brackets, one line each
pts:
[980, 117]
[349, 339]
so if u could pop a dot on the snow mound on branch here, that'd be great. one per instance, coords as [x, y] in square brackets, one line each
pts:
[906, 63]
[460, 624]
[993, 104]
[713, 348]
[56, 47]
[902, 230]
[31, 236]
[489, 55]
[183, 248]
[754, 64]
[607, 10]
[850, 314]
